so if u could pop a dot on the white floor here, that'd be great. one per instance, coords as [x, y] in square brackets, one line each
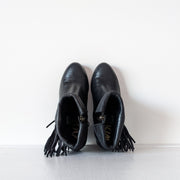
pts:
[147, 162]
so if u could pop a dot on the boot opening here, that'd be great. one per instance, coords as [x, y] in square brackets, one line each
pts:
[111, 112]
[69, 127]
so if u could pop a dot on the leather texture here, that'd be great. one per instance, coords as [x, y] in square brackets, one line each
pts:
[71, 124]
[74, 84]
[108, 113]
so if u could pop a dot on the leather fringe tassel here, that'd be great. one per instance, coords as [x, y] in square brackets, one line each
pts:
[54, 146]
[126, 142]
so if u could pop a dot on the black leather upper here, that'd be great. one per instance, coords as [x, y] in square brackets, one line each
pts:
[73, 90]
[108, 105]
[75, 81]
[71, 124]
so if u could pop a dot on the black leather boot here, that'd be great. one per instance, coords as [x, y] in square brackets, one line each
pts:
[71, 124]
[109, 116]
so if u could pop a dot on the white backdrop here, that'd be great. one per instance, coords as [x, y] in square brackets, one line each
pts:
[40, 38]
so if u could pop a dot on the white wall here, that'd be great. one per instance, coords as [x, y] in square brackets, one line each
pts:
[40, 38]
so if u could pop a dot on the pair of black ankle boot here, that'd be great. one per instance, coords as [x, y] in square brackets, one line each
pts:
[71, 121]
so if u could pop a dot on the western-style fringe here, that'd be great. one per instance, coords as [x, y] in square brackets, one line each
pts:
[54, 146]
[126, 142]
